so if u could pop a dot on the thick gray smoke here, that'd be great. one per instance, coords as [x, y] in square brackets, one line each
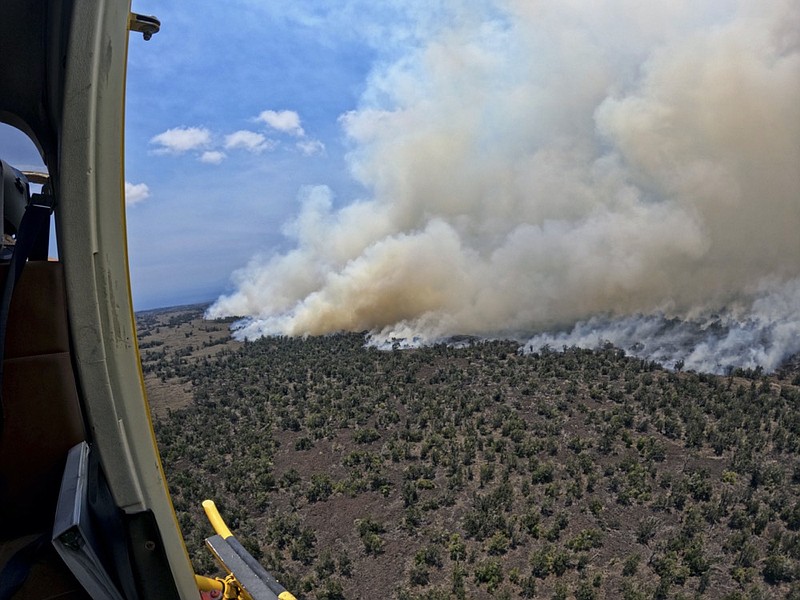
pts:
[534, 165]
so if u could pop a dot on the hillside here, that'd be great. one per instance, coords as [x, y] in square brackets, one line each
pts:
[477, 472]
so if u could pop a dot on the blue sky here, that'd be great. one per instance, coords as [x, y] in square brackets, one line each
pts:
[214, 197]
[200, 207]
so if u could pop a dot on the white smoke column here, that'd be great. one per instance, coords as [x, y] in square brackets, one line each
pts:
[534, 165]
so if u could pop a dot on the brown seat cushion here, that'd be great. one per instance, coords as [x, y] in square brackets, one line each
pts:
[42, 412]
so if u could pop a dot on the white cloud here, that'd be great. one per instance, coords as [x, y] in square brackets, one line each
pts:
[311, 147]
[181, 139]
[248, 140]
[136, 193]
[213, 157]
[286, 121]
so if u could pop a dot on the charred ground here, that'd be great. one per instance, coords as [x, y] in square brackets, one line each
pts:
[477, 472]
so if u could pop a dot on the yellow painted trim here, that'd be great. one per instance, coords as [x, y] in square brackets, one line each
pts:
[206, 584]
[286, 596]
[216, 519]
[131, 313]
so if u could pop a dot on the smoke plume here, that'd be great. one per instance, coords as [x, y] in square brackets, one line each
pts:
[622, 166]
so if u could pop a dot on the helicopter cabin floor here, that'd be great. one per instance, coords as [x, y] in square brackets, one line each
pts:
[49, 578]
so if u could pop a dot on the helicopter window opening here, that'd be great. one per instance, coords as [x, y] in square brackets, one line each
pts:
[19, 151]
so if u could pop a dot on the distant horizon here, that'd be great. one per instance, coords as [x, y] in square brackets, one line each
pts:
[172, 307]
[671, 343]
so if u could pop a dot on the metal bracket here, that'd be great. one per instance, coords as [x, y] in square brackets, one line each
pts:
[144, 24]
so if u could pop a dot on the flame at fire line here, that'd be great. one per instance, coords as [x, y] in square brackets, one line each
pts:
[615, 172]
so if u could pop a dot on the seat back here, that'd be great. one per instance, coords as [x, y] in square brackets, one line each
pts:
[43, 418]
